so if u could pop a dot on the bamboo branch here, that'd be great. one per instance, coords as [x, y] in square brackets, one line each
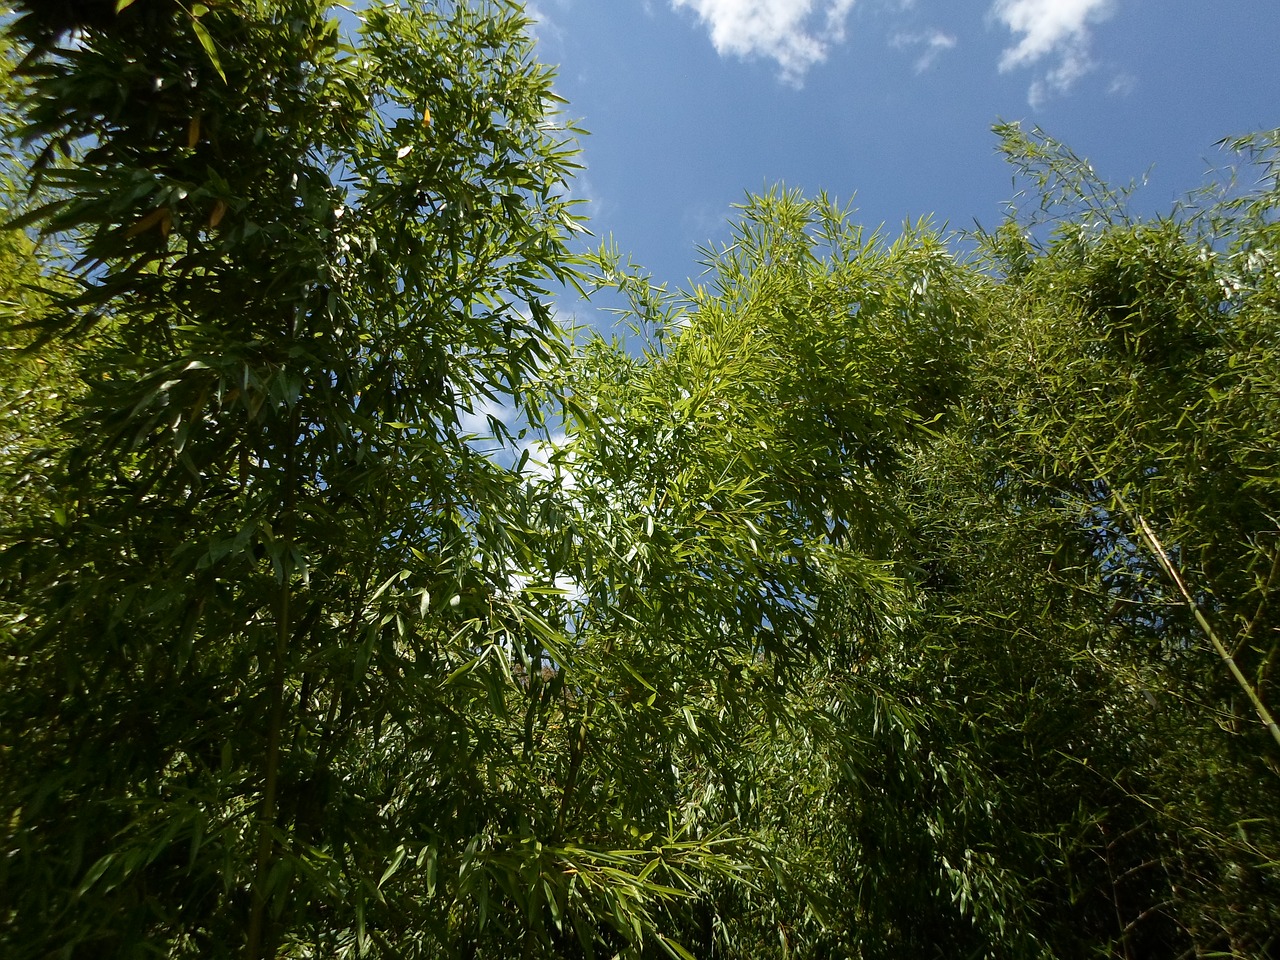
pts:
[1150, 911]
[1169, 568]
[1154, 544]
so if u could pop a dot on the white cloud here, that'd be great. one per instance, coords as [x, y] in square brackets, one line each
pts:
[545, 18]
[549, 463]
[1122, 84]
[794, 33]
[478, 418]
[1050, 29]
[1073, 65]
[932, 42]
[1049, 36]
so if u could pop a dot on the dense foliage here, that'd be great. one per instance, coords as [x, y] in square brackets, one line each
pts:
[1052, 724]
[891, 601]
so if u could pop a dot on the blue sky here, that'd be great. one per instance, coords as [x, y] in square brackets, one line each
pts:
[889, 103]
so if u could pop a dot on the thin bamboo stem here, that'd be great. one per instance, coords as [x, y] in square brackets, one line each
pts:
[253, 946]
[1171, 569]
[1153, 543]
[271, 761]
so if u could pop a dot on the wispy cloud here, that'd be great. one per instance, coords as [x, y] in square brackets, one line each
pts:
[1122, 84]
[931, 43]
[796, 34]
[1050, 29]
[1050, 37]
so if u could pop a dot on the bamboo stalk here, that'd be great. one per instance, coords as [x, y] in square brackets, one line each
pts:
[1169, 568]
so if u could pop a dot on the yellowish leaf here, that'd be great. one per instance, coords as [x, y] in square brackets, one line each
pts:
[147, 222]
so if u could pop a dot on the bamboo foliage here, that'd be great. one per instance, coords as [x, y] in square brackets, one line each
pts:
[888, 601]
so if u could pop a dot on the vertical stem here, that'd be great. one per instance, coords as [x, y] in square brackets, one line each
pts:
[271, 761]
[577, 747]
[1115, 892]
[253, 948]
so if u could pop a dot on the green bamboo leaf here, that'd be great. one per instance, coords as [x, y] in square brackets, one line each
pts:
[674, 948]
[206, 41]
[401, 852]
[94, 873]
